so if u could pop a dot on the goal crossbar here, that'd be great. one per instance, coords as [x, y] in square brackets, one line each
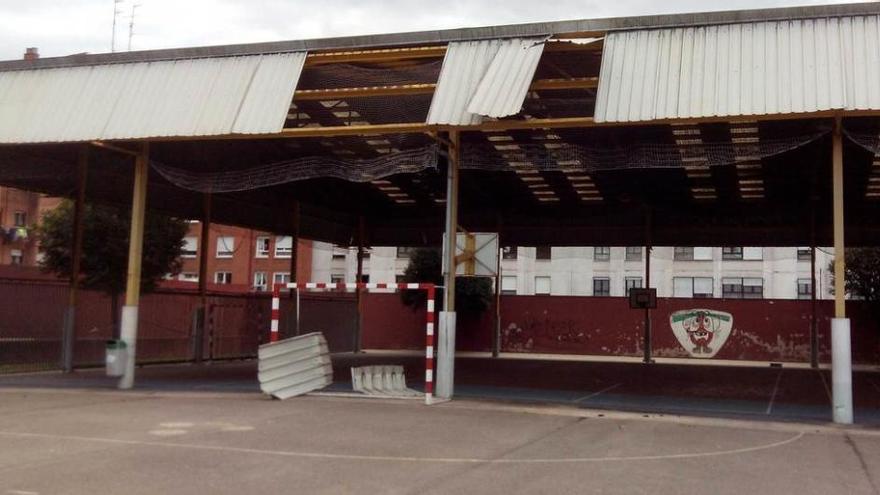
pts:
[430, 289]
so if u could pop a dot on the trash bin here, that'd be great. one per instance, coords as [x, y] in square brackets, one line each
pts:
[116, 358]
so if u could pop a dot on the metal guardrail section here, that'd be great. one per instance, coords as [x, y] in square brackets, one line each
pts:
[382, 381]
[294, 366]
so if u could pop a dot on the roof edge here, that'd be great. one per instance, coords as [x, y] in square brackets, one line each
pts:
[600, 25]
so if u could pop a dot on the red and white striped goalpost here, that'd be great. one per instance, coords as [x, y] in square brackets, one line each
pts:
[429, 317]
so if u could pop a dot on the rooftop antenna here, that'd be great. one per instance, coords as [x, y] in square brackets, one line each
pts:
[131, 24]
[116, 13]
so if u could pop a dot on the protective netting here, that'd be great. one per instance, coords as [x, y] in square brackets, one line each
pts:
[312, 167]
[867, 140]
[20, 168]
[560, 155]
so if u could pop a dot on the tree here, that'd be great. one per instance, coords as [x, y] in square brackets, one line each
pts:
[105, 249]
[863, 275]
[472, 295]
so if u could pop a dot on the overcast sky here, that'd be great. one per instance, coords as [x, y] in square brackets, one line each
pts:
[63, 27]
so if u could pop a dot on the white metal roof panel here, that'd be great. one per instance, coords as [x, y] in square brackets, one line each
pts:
[192, 97]
[759, 68]
[484, 78]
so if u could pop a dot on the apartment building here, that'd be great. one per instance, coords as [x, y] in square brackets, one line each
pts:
[244, 258]
[20, 211]
[701, 272]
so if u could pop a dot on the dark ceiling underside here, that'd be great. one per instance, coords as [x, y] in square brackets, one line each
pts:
[766, 201]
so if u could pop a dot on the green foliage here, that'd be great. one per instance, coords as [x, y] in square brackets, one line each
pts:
[105, 246]
[863, 275]
[472, 295]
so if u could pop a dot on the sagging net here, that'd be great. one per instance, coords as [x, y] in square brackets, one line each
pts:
[868, 140]
[311, 167]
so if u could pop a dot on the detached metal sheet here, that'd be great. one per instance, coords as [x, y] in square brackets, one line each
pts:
[193, 97]
[487, 78]
[759, 68]
[294, 366]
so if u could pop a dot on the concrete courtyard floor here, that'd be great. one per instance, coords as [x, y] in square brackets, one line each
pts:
[87, 441]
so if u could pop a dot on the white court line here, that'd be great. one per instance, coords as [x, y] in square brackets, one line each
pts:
[775, 390]
[599, 392]
[449, 460]
[827, 390]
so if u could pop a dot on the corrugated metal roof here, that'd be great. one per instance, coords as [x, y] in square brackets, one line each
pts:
[527, 30]
[744, 69]
[484, 78]
[196, 97]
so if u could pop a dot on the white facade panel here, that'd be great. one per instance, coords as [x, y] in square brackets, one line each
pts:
[486, 78]
[194, 97]
[760, 68]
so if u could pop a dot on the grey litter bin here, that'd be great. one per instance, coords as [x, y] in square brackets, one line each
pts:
[116, 357]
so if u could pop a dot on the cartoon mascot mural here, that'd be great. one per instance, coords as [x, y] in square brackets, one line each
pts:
[702, 332]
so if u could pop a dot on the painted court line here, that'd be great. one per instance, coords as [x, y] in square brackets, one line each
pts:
[448, 460]
[594, 394]
[775, 391]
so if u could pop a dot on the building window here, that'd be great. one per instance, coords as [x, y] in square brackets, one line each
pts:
[283, 246]
[601, 286]
[400, 279]
[753, 253]
[692, 254]
[508, 284]
[262, 247]
[261, 281]
[804, 288]
[337, 278]
[404, 252]
[365, 279]
[223, 277]
[803, 254]
[542, 285]
[683, 254]
[508, 253]
[742, 288]
[339, 253]
[634, 253]
[282, 278]
[16, 257]
[601, 253]
[20, 218]
[188, 277]
[543, 253]
[632, 283]
[696, 287]
[190, 247]
[225, 246]
[731, 253]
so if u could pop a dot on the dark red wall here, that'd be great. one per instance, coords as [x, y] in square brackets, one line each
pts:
[763, 330]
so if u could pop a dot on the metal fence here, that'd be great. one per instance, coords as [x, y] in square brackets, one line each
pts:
[32, 314]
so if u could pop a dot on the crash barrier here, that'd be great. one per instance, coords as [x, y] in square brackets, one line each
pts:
[294, 366]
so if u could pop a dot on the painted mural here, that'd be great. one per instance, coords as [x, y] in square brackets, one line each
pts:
[702, 332]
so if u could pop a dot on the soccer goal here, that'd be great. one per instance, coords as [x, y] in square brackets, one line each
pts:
[430, 289]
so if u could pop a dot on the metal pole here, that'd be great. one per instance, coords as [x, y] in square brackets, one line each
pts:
[496, 334]
[69, 329]
[294, 257]
[841, 354]
[446, 347]
[814, 328]
[135, 254]
[647, 359]
[358, 276]
[202, 311]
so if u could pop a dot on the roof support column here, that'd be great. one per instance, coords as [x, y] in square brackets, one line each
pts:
[202, 312]
[841, 357]
[362, 229]
[647, 358]
[814, 324]
[135, 256]
[446, 345]
[69, 330]
[294, 259]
